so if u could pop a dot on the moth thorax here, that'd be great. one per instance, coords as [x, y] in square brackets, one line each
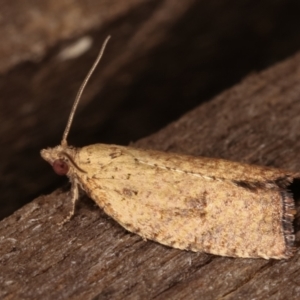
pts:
[60, 167]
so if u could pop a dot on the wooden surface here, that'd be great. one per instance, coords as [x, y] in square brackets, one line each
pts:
[31, 28]
[92, 257]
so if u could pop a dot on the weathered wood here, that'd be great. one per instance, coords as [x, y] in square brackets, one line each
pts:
[92, 257]
[31, 28]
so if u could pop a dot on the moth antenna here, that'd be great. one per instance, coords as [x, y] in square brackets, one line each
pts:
[64, 142]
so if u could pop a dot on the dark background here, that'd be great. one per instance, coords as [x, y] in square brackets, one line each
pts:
[161, 62]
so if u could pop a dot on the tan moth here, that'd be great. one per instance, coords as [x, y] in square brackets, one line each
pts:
[191, 203]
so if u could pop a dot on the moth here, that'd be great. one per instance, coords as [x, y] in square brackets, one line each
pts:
[191, 203]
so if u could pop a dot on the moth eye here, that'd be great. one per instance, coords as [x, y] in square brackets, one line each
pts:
[60, 167]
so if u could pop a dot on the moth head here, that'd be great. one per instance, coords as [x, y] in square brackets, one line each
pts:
[59, 158]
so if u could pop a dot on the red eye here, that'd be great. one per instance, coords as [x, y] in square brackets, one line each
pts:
[60, 167]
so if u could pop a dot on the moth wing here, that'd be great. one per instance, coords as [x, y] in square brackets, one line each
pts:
[175, 201]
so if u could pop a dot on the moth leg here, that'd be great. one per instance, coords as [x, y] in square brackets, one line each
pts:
[75, 196]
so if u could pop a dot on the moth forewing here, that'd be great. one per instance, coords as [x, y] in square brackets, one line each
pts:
[189, 202]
